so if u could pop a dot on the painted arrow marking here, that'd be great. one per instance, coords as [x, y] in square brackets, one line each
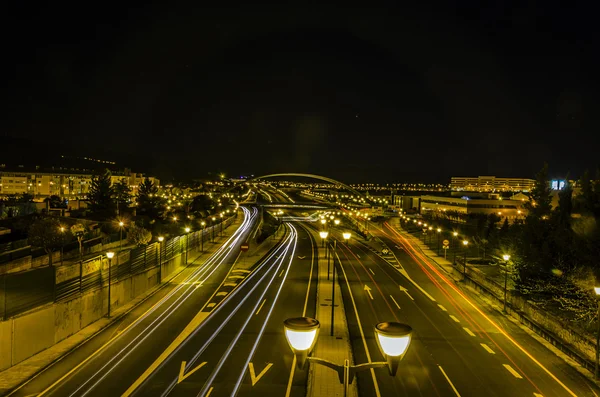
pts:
[301, 257]
[255, 378]
[403, 272]
[368, 291]
[406, 292]
[183, 375]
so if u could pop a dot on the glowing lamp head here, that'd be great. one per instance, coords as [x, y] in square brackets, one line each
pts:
[62, 229]
[506, 257]
[465, 243]
[324, 234]
[301, 333]
[393, 338]
[110, 254]
[161, 239]
[439, 230]
[597, 290]
[121, 224]
[430, 227]
[455, 234]
[323, 221]
[337, 222]
[347, 235]
[187, 229]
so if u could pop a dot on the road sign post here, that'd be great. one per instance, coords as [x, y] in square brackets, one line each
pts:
[446, 244]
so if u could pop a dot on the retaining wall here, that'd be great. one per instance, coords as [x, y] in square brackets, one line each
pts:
[25, 335]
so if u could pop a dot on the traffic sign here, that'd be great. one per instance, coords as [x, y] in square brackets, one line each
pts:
[385, 251]
[244, 247]
[445, 247]
[446, 243]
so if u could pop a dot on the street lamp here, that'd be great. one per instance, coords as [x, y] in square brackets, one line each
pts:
[337, 222]
[454, 235]
[465, 243]
[109, 255]
[62, 246]
[187, 243]
[506, 258]
[346, 236]
[438, 240]
[121, 224]
[597, 290]
[393, 340]
[212, 232]
[323, 235]
[221, 223]
[160, 240]
[203, 224]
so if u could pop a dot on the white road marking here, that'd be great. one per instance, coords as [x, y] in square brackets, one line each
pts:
[211, 304]
[403, 272]
[468, 331]
[229, 285]
[281, 274]
[449, 381]
[236, 277]
[209, 391]
[183, 375]
[454, 318]
[406, 292]
[537, 395]
[222, 293]
[397, 305]
[255, 378]
[442, 307]
[371, 270]
[487, 348]
[240, 271]
[368, 289]
[261, 305]
[512, 371]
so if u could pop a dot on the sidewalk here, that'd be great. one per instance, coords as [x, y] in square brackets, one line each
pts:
[16, 375]
[323, 381]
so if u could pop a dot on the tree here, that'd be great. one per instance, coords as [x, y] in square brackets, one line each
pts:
[539, 205]
[45, 233]
[78, 230]
[100, 197]
[138, 235]
[149, 205]
[122, 195]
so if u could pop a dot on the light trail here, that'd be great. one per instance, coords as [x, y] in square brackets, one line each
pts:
[405, 242]
[212, 262]
[283, 247]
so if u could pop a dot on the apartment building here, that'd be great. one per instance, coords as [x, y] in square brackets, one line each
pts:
[491, 184]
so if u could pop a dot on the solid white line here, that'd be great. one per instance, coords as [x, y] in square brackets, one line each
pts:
[487, 348]
[468, 331]
[449, 381]
[371, 270]
[454, 318]
[360, 328]
[395, 301]
[442, 307]
[261, 305]
[512, 371]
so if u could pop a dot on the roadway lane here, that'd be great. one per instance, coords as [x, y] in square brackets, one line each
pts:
[241, 348]
[508, 361]
[103, 365]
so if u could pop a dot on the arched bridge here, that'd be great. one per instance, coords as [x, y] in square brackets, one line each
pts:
[312, 176]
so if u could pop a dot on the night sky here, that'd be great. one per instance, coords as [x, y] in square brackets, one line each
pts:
[386, 94]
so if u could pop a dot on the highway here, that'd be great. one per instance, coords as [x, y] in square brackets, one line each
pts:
[109, 362]
[241, 349]
[459, 347]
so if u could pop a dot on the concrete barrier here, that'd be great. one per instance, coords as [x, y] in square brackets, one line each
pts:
[23, 336]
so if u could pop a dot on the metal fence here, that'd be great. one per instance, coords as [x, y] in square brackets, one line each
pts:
[23, 291]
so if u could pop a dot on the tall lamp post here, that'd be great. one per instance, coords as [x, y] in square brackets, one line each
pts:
[346, 236]
[212, 232]
[465, 244]
[454, 235]
[187, 243]
[430, 233]
[323, 234]
[160, 240]
[109, 255]
[203, 224]
[221, 223]
[506, 258]
[62, 245]
[439, 231]
[597, 290]
[121, 224]
[393, 340]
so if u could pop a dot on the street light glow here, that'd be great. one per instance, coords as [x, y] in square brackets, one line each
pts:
[393, 338]
[506, 257]
[161, 238]
[187, 229]
[110, 254]
[324, 234]
[597, 290]
[465, 243]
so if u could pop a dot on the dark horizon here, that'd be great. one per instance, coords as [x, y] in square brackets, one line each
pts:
[372, 94]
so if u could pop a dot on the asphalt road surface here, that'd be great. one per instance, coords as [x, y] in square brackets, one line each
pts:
[459, 347]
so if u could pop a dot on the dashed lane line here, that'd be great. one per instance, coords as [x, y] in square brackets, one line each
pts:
[512, 371]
